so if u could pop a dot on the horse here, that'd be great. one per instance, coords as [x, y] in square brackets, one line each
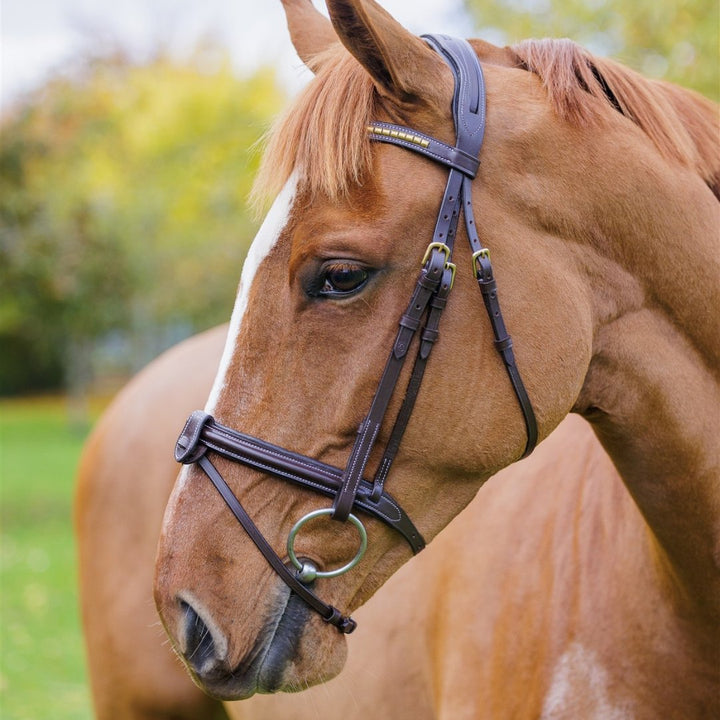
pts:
[582, 581]
[134, 673]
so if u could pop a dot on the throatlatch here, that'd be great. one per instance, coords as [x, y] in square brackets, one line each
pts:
[349, 488]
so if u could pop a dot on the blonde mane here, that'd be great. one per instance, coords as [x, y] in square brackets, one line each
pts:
[322, 134]
[682, 124]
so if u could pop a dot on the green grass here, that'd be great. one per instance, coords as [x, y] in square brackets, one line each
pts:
[42, 665]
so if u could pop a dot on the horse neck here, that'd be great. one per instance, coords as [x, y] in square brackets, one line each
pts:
[652, 391]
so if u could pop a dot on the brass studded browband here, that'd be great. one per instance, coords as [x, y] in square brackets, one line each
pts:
[449, 155]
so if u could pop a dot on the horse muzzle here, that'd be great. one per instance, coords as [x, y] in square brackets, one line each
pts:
[272, 662]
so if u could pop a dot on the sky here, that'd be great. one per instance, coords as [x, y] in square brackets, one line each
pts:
[40, 36]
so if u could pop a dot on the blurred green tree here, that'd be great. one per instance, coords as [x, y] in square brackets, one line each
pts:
[123, 205]
[665, 39]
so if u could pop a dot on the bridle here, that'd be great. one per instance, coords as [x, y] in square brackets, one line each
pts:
[348, 487]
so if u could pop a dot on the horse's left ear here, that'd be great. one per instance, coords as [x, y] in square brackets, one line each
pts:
[310, 31]
[402, 65]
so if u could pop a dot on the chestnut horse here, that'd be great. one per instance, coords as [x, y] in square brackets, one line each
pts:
[580, 582]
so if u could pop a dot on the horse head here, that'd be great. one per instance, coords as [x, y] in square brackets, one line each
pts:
[326, 281]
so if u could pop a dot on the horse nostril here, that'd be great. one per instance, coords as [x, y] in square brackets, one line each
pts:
[199, 646]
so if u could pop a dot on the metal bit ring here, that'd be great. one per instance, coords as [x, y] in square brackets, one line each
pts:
[307, 571]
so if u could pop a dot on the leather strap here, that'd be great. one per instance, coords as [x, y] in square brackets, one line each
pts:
[468, 102]
[503, 344]
[329, 613]
[202, 433]
[468, 106]
[426, 287]
[429, 337]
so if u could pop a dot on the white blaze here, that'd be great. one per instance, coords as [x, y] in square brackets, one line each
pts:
[264, 241]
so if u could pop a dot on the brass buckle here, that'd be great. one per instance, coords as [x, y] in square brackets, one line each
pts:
[442, 247]
[452, 268]
[445, 250]
[482, 253]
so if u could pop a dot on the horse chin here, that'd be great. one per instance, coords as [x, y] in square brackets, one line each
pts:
[294, 650]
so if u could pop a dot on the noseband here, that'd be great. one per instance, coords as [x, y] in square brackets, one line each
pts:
[348, 487]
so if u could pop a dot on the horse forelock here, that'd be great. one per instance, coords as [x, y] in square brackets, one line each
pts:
[682, 124]
[322, 134]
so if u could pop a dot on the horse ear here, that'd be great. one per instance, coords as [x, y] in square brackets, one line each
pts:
[402, 65]
[310, 31]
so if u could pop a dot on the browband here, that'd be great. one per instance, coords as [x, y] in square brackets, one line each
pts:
[418, 142]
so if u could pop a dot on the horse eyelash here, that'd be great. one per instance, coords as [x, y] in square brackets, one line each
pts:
[316, 284]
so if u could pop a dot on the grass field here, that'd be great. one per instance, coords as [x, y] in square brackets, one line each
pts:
[42, 673]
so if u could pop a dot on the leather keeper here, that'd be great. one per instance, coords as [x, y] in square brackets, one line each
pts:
[411, 323]
[187, 449]
[487, 287]
[504, 343]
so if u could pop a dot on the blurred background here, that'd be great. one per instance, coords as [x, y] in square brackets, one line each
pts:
[129, 139]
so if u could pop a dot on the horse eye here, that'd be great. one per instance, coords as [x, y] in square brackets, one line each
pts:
[338, 279]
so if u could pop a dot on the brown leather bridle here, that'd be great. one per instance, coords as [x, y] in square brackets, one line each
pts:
[348, 487]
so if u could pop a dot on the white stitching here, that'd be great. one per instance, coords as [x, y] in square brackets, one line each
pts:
[371, 507]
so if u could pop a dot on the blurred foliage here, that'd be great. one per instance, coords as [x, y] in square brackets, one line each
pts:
[671, 40]
[123, 205]
[123, 186]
